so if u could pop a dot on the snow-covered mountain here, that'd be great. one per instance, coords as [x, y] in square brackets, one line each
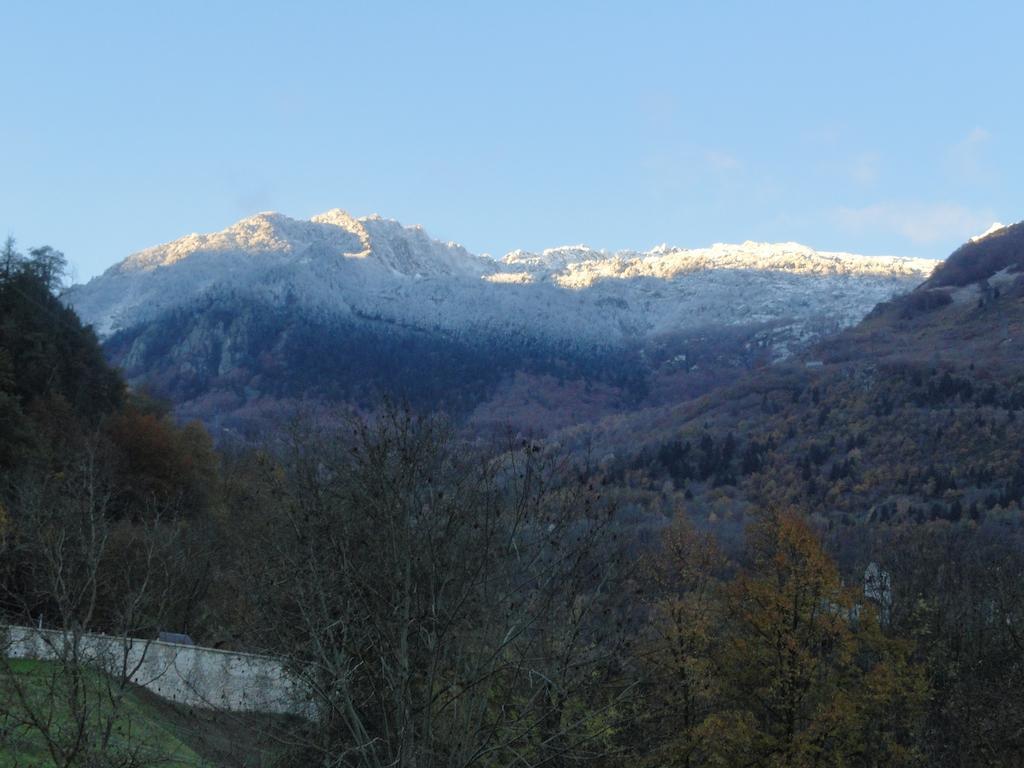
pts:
[232, 326]
[372, 267]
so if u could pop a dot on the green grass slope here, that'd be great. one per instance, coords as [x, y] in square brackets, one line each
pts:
[147, 731]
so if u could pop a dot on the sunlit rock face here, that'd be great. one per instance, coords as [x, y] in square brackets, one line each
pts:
[370, 267]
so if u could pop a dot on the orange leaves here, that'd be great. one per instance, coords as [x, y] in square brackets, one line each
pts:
[780, 665]
[161, 463]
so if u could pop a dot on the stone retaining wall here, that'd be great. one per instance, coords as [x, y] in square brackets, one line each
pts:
[187, 674]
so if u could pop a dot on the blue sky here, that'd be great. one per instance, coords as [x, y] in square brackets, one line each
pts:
[872, 127]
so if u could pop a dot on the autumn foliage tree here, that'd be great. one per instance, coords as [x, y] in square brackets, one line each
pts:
[65, 414]
[808, 677]
[681, 685]
[768, 662]
[158, 462]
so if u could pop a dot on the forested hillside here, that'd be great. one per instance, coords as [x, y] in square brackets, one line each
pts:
[819, 564]
[106, 525]
[51, 366]
[913, 415]
[902, 441]
[237, 362]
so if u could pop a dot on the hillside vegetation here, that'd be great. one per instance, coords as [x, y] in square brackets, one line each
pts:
[815, 565]
[903, 443]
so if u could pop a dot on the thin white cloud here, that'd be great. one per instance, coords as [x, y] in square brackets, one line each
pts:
[920, 223]
[826, 134]
[722, 161]
[968, 157]
[865, 168]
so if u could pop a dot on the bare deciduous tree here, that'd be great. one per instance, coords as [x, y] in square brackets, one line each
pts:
[71, 565]
[447, 609]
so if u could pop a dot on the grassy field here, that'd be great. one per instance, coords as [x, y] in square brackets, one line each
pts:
[146, 730]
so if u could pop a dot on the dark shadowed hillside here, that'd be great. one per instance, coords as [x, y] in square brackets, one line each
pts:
[51, 366]
[239, 363]
[980, 259]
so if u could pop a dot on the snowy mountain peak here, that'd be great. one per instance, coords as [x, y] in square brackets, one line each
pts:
[337, 217]
[373, 267]
[996, 227]
[334, 233]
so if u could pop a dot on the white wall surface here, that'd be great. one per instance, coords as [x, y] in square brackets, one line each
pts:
[187, 674]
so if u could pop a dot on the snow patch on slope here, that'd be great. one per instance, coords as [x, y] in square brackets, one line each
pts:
[996, 226]
[580, 267]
